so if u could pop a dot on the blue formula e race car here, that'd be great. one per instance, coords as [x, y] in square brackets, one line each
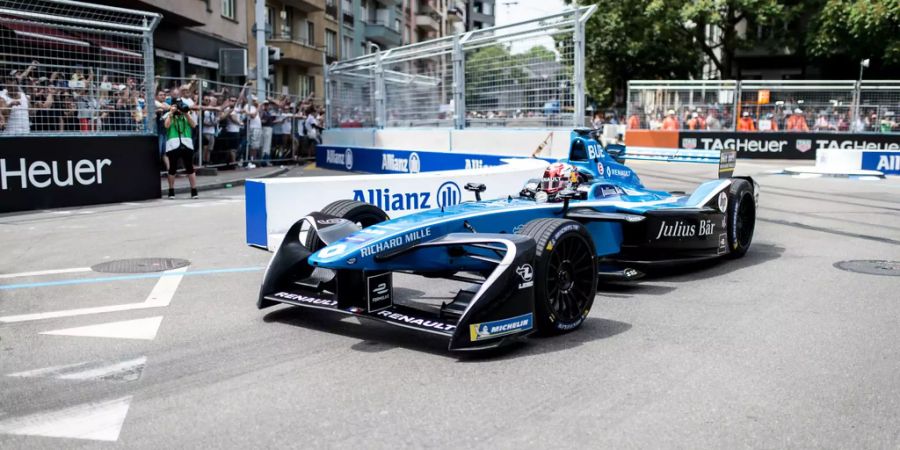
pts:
[529, 262]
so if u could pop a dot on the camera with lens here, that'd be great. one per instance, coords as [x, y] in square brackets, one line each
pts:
[181, 107]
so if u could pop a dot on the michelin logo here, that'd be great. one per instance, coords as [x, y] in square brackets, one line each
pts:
[499, 328]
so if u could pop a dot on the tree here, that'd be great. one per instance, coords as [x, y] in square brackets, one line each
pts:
[635, 39]
[857, 28]
[723, 37]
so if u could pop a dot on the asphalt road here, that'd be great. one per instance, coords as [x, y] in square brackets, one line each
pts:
[777, 350]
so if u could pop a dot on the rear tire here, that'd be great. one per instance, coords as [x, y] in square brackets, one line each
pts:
[741, 217]
[565, 274]
[363, 214]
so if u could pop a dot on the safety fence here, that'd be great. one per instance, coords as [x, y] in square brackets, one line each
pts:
[525, 75]
[70, 67]
[234, 127]
[765, 105]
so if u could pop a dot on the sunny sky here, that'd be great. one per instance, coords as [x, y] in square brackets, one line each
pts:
[511, 11]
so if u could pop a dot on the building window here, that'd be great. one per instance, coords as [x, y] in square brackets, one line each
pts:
[270, 20]
[310, 33]
[287, 23]
[347, 49]
[228, 9]
[330, 43]
[307, 85]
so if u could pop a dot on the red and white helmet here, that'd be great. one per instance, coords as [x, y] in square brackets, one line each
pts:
[557, 177]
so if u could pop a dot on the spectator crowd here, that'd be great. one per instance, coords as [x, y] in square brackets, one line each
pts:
[780, 118]
[232, 125]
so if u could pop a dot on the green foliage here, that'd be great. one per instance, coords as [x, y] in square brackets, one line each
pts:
[861, 28]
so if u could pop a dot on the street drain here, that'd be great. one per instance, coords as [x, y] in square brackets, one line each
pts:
[871, 267]
[140, 265]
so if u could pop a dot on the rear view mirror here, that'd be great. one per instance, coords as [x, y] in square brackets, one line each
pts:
[616, 151]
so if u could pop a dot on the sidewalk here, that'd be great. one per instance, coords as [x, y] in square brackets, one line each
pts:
[224, 179]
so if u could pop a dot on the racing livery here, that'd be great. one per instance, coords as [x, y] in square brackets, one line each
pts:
[529, 262]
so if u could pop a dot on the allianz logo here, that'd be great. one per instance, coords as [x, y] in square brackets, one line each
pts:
[341, 158]
[393, 163]
[448, 194]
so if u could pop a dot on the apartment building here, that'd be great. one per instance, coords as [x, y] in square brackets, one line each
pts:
[191, 34]
[306, 31]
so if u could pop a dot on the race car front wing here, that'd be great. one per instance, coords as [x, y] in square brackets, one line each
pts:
[495, 311]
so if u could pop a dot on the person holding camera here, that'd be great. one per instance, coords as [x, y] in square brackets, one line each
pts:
[179, 124]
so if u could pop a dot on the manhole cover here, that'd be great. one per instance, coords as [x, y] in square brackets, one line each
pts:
[140, 265]
[871, 267]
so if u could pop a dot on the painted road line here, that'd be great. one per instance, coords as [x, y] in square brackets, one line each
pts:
[160, 296]
[126, 277]
[127, 329]
[38, 273]
[127, 371]
[95, 421]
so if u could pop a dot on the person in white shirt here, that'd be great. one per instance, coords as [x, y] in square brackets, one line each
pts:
[17, 103]
[210, 126]
[254, 130]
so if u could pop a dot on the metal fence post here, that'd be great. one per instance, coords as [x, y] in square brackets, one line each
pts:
[380, 119]
[326, 91]
[578, 114]
[459, 83]
[737, 103]
[149, 94]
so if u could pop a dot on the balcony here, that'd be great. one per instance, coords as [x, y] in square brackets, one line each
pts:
[382, 34]
[306, 6]
[427, 23]
[297, 52]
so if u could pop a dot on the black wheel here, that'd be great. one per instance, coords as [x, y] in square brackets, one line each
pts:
[363, 214]
[565, 274]
[741, 217]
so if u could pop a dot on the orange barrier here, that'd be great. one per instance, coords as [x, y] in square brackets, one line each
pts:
[652, 138]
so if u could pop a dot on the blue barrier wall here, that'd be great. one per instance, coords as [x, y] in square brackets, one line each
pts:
[378, 160]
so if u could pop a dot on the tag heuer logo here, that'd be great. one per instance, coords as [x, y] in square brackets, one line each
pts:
[804, 145]
[689, 143]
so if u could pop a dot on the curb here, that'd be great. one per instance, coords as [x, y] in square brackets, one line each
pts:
[224, 184]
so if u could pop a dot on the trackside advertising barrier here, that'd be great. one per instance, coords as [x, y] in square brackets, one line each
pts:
[273, 205]
[764, 145]
[383, 161]
[840, 161]
[53, 172]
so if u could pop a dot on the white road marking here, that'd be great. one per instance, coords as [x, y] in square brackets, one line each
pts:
[47, 371]
[129, 370]
[38, 273]
[95, 421]
[160, 296]
[126, 329]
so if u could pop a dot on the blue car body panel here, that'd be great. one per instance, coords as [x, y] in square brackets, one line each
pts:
[626, 221]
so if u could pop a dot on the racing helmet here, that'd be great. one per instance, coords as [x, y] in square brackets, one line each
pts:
[557, 177]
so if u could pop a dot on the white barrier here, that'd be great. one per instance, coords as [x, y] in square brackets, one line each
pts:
[273, 205]
[851, 163]
[495, 142]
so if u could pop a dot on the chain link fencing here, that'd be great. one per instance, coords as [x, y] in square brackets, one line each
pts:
[765, 105]
[74, 68]
[528, 74]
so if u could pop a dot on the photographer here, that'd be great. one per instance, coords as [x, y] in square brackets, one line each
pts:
[180, 144]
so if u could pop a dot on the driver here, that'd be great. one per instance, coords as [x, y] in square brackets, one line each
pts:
[560, 176]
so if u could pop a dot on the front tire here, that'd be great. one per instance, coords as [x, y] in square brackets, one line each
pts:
[565, 274]
[363, 214]
[741, 217]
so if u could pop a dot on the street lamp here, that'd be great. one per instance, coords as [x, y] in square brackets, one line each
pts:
[858, 94]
